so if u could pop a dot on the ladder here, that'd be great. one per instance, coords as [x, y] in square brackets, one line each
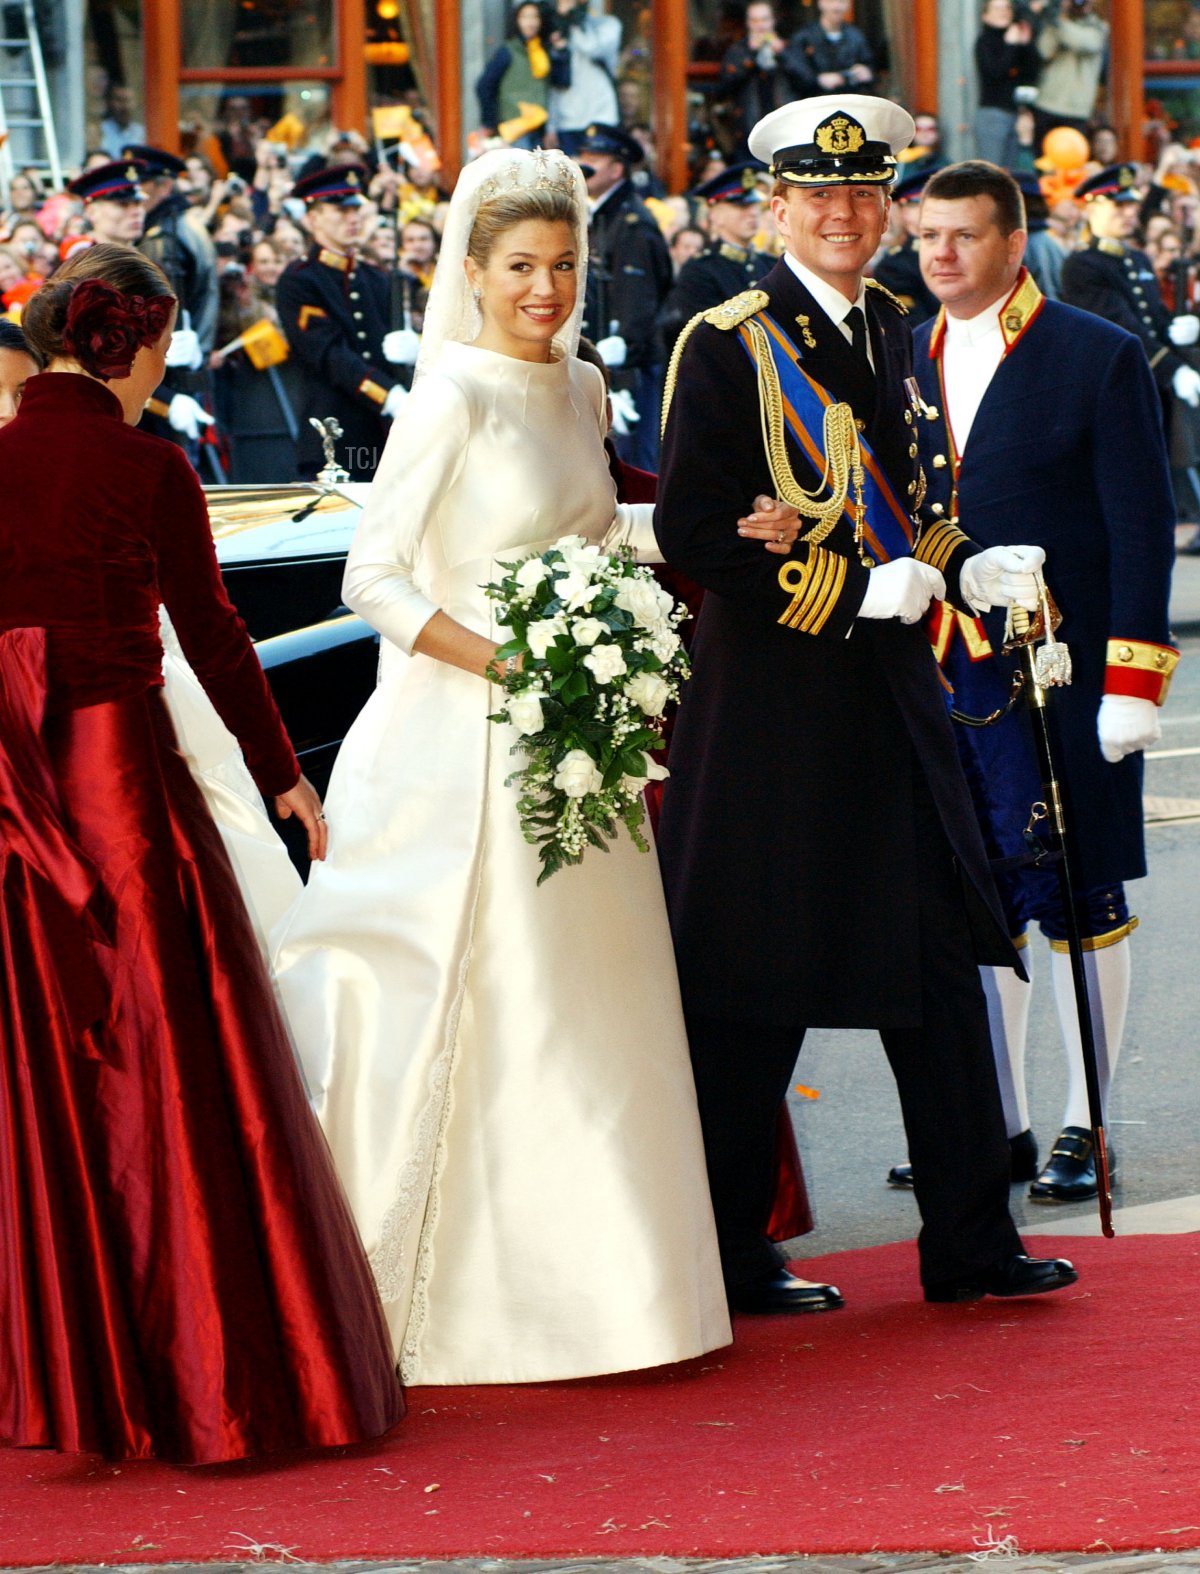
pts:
[27, 136]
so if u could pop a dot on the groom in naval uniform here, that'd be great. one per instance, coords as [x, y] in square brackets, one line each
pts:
[821, 856]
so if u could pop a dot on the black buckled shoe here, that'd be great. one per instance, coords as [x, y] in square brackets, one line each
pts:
[1017, 1275]
[783, 1292]
[1070, 1172]
[1023, 1158]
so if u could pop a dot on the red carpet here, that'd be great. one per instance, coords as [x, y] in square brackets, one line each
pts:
[1070, 1423]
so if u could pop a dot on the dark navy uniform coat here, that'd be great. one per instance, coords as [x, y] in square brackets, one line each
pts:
[787, 837]
[1066, 452]
[629, 274]
[334, 319]
[720, 271]
[1118, 283]
[900, 270]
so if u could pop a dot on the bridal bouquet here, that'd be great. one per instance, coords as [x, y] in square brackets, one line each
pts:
[602, 659]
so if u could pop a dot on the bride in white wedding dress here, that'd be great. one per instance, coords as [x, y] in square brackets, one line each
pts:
[501, 1069]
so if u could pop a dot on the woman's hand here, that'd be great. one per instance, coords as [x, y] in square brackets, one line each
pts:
[774, 523]
[304, 801]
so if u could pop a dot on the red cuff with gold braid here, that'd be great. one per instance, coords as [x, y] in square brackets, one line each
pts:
[1136, 667]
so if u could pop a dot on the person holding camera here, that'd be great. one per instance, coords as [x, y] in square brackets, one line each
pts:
[1073, 44]
[830, 55]
[1006, 64]
[593, 40]
[755, 73]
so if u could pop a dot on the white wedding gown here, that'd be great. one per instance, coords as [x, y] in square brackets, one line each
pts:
[500, 1068]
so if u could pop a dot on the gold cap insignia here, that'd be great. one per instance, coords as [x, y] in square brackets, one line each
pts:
[1125, 177]
[131, 174]
[839, 135]
[352, 179]
[749, 179]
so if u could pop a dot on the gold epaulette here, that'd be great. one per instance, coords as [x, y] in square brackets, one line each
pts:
[874, 284]
[734, 312]
[729, 314]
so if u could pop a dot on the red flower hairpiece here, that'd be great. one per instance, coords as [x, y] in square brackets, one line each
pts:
[105, 329]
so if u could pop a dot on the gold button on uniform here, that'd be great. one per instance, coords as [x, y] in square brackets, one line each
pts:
[1125, 653]
[936, 508]
[939, 461]
[908, 417]
[912, 450]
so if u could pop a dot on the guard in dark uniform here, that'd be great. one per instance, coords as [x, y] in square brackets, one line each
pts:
[820, 852]
[629, 274]
[334, 311]
[1114, 280]
[729, 263]
[899, 269]
[185, 254]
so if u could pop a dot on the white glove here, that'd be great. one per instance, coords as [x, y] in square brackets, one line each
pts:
[1126, 724]
[186, 415]
[184, 350]
[394, 402]
[612, 351]
[1002, 576]
[1186, 383]
[902, 589]
[625, 414]
[401, 346]
[1183, 331]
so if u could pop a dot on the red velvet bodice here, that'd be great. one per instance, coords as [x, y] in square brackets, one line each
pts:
[99, 523]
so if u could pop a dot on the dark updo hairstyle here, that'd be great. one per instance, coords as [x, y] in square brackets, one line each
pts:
[99, 309]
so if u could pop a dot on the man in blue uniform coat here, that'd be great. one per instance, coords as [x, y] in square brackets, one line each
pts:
[821, 856]
[334, 309]
[730, 262]
[1046, 414]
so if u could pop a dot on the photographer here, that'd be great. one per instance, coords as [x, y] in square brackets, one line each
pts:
[1073, 45]
[593, 41]
[1007, 64]
[754, 73]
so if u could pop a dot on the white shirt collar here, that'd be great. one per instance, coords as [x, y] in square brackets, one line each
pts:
[963, 332]
[831, 301]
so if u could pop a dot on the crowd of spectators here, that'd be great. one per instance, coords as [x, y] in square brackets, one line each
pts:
[1039, 65]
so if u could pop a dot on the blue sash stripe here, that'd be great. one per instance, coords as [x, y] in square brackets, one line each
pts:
[804, 413]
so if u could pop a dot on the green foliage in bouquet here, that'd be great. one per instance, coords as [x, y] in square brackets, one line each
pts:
[601, 661]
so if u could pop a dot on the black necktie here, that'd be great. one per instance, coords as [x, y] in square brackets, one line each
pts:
[858, 332]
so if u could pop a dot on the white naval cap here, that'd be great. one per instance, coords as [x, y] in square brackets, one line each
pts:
[833, 139]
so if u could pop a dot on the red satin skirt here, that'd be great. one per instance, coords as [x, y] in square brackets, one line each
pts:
[180, 1276]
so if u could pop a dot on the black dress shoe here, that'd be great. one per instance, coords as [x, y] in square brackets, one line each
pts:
[1023, 1156]
[783, 1292]
[1017, 1275]
[1070, 1172]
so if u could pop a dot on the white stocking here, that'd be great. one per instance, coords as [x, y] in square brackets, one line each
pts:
[1008, 1021]
[1108, 976]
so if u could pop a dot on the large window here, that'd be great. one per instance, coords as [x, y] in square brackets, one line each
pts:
[258, 34]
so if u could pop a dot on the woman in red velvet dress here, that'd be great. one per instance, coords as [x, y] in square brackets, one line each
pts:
[179, 1273]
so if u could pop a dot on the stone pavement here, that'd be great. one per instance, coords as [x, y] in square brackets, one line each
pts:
[1003, 1556]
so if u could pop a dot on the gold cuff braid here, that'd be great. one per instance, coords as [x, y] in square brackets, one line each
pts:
[814, 586]
[1098, 942]
[938, 544]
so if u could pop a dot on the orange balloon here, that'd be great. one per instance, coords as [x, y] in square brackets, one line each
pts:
[1065, 147]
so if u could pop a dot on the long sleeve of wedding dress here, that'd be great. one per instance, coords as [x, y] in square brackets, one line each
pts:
[421, 461]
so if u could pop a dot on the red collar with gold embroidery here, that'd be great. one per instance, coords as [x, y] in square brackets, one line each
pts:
[1016, 315]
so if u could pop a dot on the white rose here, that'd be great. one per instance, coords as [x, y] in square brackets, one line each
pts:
[542, 634]
[565, 544]
[665, 644]
[588, 560]
[643, 601]
[530, 575]
[576, 590]
[654, 773]
[525, 711]
[577, 775]
[605, 662]
[648, 691]
[586, 631]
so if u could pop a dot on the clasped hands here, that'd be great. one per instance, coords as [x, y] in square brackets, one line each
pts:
[999, 576]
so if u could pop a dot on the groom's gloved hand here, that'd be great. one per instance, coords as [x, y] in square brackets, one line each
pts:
[902, 589]
[1002, 577]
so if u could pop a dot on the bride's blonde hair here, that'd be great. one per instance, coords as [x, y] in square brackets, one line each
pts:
[510, 208]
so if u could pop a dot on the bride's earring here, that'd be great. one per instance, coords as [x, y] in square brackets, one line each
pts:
[477, 295]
